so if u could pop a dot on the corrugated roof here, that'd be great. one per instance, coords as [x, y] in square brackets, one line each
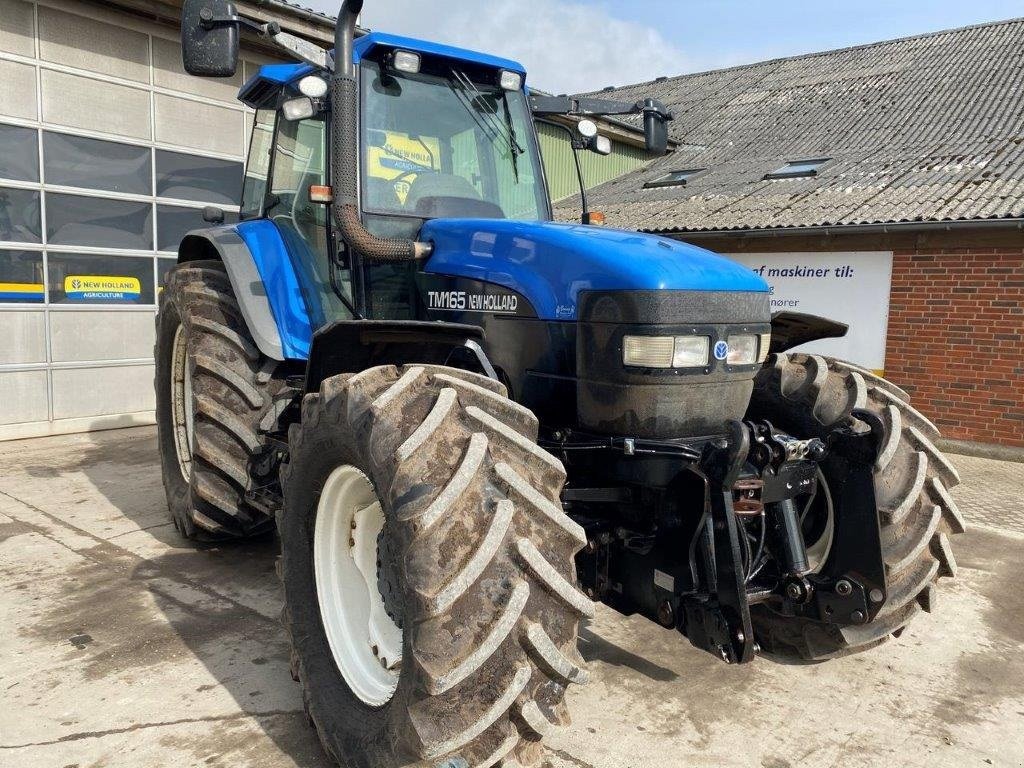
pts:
[927, 128]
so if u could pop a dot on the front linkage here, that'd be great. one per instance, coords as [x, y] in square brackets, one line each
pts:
[752, 478]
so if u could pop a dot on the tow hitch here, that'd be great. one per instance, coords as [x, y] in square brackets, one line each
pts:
[758, 472]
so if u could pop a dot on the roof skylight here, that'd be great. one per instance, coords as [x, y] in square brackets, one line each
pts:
[796, 169]
[674, 178]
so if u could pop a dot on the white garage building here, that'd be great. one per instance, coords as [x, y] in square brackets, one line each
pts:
[108, 153]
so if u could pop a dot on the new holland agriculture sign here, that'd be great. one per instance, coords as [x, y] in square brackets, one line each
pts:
[105, 289]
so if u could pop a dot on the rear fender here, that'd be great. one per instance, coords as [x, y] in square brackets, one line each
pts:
[791, 329]
[264, 283]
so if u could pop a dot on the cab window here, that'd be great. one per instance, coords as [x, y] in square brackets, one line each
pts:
[300, 152]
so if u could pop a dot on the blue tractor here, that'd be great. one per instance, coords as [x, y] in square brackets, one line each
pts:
[470, 424]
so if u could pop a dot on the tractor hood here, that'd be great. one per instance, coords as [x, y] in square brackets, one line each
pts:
[551, 263]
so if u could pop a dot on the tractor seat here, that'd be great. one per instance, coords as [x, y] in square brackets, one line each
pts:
[444, 195]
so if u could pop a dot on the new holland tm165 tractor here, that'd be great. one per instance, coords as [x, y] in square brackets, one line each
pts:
[470, 424]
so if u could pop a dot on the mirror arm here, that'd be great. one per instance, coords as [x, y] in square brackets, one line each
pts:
[581, 107]
[300, 48]
[297, 46]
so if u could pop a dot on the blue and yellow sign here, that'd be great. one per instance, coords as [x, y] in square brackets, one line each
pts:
[102, 288]
[397, 157]
[30, 292]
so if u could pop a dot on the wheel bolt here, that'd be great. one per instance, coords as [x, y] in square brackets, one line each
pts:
[844, 588]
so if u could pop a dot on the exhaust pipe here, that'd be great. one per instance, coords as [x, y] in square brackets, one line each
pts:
[345, 153]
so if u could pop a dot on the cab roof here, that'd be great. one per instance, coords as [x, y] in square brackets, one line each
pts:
[272, 76]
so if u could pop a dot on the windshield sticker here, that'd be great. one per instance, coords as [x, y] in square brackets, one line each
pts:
[399, 157]
[102, 288]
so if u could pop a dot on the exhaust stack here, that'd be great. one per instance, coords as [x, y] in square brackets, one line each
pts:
[345, 153]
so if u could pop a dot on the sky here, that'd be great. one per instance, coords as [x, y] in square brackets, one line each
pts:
[570, 46]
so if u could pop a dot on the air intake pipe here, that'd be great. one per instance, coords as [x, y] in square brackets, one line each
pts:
[345, 153]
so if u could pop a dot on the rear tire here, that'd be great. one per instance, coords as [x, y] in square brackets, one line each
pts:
[807, 396]
[202, 336]
[475, 563]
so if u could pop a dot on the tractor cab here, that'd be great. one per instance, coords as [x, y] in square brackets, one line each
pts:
[443, 133]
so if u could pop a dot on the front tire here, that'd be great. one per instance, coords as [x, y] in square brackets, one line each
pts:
[474, 565]
[808, 396]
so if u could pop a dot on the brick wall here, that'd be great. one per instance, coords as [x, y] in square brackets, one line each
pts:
[956, 339]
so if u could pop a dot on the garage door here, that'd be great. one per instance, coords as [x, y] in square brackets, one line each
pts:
[108, 152]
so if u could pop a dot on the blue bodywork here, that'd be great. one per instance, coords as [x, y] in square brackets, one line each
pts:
[547, 263]
[551, 263]
[282, 74]
[281, 281]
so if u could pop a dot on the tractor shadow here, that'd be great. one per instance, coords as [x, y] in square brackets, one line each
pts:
[595, 648]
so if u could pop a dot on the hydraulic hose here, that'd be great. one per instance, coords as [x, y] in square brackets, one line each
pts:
[345, 153]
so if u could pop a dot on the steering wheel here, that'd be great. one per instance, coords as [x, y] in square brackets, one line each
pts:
[402, 178]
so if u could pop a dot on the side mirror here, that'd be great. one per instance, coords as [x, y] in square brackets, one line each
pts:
[213, 215]
[209, 38]
[656, 127]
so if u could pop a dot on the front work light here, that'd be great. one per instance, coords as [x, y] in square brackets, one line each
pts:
[298, 108]
[742, 350]
[406, 61]
[509, 80]
[665, 351]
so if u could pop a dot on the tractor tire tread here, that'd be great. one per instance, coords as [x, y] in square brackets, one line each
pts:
[911, 478]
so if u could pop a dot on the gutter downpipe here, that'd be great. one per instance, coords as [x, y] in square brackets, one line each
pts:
[847, 229]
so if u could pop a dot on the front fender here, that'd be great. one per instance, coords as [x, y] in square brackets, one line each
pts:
[791, 329]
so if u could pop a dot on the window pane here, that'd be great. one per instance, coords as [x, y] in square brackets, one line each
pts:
[188, 177]
[75, 161]
[163, 266]
[75, 220]
[19, 215]
[19, 154]
[21, 277]
[94, 279]
[258, 163]
[174, 222]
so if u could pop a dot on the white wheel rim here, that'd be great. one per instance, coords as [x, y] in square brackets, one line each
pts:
[365, 642]
[182, 405]
[818, 551]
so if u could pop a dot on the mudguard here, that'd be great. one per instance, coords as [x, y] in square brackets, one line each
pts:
[264, 281]
[350, 346]
[791, 329]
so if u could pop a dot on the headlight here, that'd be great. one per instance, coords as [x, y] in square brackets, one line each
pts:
[648, 351]
[665, 351]
[742, 350]
[691, 352]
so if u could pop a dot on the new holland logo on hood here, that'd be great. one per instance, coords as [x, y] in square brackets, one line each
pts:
[102, 288]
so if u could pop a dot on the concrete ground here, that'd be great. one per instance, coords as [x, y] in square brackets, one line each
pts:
[120, 646]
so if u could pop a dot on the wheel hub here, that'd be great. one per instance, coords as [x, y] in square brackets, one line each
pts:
[365, 639]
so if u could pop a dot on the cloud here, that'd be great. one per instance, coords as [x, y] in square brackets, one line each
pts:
[566, 47]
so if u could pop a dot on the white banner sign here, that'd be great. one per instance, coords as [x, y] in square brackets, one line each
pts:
[850, 287]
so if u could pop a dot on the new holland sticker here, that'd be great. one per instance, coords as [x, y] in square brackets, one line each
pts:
[22, 292]
[102, 288]
[464, 301]
[399, 157]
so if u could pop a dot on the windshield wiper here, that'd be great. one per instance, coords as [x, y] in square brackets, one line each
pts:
[513, 143]
[494, 129]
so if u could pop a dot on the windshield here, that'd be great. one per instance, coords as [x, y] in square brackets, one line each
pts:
[446, 146]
